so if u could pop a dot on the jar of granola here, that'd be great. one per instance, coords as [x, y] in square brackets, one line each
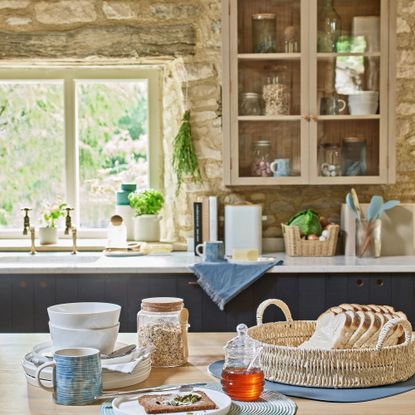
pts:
[162, 324]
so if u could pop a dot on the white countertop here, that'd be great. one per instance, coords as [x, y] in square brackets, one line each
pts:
[179, 263]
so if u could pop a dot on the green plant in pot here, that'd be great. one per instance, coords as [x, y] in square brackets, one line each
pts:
[48, 234]
[147, 205]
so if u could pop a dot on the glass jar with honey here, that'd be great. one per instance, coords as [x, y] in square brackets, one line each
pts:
[242, 377]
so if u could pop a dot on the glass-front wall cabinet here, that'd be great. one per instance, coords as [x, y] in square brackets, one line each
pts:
[308, 91]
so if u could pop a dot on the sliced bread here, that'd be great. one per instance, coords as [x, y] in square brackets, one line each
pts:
[332, 332]
[374, 327]
[364, 324]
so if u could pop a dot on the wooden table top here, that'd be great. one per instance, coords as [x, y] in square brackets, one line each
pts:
[18, 398]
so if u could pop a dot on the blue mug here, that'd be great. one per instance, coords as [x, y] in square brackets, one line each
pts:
[281, 167]
[76, 376]
[212, 251]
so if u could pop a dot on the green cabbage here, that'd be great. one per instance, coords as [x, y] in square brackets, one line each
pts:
[308, 221]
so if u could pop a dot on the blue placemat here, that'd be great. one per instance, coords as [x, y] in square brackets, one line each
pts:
[271, 403]
[330, 395]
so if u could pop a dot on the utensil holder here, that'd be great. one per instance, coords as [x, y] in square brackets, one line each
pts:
[369, 238]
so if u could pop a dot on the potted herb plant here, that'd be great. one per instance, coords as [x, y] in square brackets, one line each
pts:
[147, 205]
[48, 234]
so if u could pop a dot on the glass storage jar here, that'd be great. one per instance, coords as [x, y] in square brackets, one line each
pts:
[264, 33]
[162, 325]
[261, 159]
[250, 104]
[354, 156]
[242, 376]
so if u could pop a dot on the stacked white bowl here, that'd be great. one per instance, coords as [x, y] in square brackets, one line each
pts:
[363, 102]
[93, 325]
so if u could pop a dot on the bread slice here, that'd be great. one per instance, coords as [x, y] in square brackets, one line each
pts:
[375, 308]
[353, 327]
[331, 332]
[348, 307]
[374, 338]
[374, 327]
[390, 309]
[364, 324]
[384, 309]
[160, 404]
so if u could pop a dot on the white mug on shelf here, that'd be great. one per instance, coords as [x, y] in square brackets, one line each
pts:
[363, 102]
[281, 167]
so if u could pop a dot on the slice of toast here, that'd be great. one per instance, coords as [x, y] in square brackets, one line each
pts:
[374, 327]
[161, 403]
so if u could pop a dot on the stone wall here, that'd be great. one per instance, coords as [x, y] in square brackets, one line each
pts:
[184, 36]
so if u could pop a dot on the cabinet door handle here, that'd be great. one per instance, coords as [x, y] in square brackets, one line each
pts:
[360, 283]
[314, 118]
[194, 283]
[23, 284]
[380, 282]
[43, 284]
[307, 117]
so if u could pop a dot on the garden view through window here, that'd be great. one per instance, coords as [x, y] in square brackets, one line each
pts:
[109, 146]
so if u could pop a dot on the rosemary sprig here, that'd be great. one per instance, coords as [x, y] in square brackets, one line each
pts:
[185, 162]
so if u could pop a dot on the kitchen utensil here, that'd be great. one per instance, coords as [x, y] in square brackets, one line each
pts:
[119, 352]
[84, 315]
[165, 388]
[212, 251]
[356, 204]
[101, 339]
[374, 208]
[130, 406]
[351, 206]
[77, 376]
[184, 322]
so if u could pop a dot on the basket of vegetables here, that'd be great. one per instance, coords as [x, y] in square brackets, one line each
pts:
[308, 234]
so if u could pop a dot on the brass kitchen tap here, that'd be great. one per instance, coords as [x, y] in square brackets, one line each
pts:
[26, 220]
[74, 248]
[68, 220]
[32, 241]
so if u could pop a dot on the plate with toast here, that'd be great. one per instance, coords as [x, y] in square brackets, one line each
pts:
[200, 400]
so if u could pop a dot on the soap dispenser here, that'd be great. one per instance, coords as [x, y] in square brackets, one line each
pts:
[117, 234]
[242, 377]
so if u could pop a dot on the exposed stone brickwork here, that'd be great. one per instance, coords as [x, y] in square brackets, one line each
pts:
[187, 35]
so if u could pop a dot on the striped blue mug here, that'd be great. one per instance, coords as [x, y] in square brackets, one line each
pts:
[76, 376]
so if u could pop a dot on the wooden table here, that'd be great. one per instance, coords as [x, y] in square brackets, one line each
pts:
[18, 398]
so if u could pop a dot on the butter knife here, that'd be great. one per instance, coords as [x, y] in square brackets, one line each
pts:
[166, 388]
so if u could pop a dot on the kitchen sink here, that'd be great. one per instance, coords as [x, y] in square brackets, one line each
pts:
[42, 258]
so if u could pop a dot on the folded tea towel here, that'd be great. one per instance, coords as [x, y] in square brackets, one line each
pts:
[223, 281]
[124, 367]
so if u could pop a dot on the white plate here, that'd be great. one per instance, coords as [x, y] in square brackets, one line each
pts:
[130, 406]
[116, 254]
[259, 261]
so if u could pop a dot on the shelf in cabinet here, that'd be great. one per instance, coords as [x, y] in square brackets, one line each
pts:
[269, 118]
[269, 56]
[347, 117]
[349, 180]
[336, 55]
[268, 181]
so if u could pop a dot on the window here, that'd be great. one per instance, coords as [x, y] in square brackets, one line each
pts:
[75, 135]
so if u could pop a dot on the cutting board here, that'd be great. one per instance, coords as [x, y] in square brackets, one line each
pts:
[398, 230]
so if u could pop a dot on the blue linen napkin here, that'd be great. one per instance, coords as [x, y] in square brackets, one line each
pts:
[223, 281]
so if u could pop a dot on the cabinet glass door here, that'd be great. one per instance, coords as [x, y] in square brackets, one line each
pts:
[268, 76]
[348, 96]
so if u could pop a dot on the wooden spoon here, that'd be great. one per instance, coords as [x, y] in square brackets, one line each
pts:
[184, 321]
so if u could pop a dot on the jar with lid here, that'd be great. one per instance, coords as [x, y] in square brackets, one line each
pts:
[250, 104]
[162, 325]
[264, 33]
[261, 164]
[276, 96]
[242, 376]
[354, 157]
[330, 165]
[117, 233]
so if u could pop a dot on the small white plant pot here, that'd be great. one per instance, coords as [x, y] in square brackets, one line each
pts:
[147, 228]
[48, 236]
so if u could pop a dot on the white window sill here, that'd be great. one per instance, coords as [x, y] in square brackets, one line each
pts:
[63, 245]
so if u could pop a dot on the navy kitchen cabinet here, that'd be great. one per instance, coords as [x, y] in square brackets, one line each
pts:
[25, 298]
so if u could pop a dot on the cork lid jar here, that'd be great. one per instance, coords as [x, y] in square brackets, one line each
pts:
[162, 325]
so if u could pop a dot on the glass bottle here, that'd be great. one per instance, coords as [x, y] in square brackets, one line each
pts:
[250, 104]
[261, 159]
[354, 156]
[242, 377]
[264, 33]
[329, 27]
[161, 327]
[330, 165]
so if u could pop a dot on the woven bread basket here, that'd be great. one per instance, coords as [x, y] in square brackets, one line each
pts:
[282, 360]
[296, 246]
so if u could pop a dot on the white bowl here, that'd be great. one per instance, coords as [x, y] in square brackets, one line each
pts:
[101, 339]
[84, 315]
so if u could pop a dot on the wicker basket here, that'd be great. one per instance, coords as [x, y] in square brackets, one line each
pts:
[284, 362]
[295, 246]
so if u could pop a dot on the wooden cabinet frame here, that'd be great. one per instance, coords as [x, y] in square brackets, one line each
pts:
[309, 118]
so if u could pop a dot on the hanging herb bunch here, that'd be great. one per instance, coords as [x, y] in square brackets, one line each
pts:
[185, 162]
